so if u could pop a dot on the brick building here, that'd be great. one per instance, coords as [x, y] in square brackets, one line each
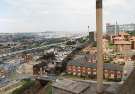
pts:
[132, 39]
[121, 42]
[27, 58]
[86, 67]
[105, 45]
[122, 46]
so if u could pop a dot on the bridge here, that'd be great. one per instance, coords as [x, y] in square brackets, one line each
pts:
[45, 77]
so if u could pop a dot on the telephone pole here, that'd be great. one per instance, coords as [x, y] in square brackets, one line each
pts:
[99, 29]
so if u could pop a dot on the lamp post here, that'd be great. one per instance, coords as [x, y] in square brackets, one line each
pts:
[88, 28]
[99, 29]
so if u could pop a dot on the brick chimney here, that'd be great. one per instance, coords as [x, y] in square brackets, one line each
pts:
[99, 29]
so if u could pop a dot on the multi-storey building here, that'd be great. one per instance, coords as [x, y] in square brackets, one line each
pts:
[111, 29]
[114, 29]
[127, 27]
[87, 68]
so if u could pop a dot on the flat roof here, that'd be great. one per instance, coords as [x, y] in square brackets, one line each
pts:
[75, 87]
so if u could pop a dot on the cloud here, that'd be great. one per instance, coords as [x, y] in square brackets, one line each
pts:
[121, 10]
[60, 15]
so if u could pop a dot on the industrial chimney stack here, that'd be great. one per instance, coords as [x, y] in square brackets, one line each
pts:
[99, 29]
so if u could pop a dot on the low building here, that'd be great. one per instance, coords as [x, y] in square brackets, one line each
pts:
[85, 67]
[89, 49]
[132, 39]
[3, 72]
[28, 68]
[122, 46]
[124, 34]
[27, 58]
[117, 38]
[105, 44]
[70, 87]
[121, 42]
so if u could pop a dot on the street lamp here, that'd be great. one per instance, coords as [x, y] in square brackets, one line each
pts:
[88, 28]
[99, 29]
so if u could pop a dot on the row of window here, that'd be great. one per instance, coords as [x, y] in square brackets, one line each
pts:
[90, 71]
[106, 76]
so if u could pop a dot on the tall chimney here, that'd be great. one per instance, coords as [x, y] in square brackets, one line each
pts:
[99, 30]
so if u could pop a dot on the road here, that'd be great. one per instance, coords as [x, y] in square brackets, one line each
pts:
[26, 50]
[128, 68]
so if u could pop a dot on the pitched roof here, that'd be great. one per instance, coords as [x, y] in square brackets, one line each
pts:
[123, 33]
[82, 62]
[122, 42]
[118, 37]
[132, 38]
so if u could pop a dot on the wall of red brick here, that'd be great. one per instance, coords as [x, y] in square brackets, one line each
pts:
[82, 70]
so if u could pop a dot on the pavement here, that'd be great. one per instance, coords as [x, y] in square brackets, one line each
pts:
[128, 68]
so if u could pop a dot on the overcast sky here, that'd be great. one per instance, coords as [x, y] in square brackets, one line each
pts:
[60, 15]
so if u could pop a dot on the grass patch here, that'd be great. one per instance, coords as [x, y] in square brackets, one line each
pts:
[111, 46]
[26, 84]
[49, 89]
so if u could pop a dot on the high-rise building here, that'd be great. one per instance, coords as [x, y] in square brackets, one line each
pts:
[113, 29]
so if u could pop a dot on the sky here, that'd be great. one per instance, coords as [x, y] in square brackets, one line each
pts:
[61, 15]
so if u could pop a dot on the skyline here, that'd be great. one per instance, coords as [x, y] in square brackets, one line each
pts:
[60, 15]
